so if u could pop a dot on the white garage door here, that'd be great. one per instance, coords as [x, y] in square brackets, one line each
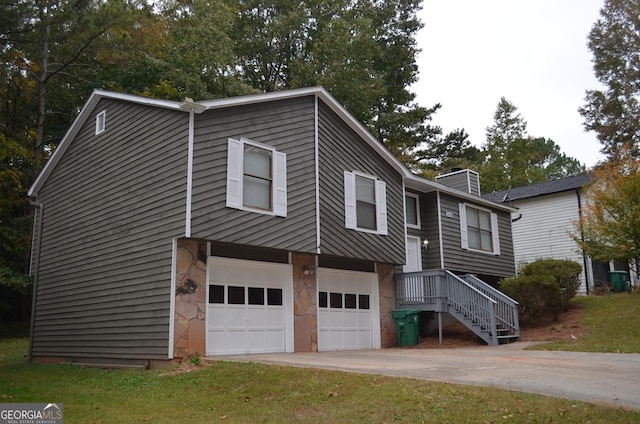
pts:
[348, 310]
[249, 307]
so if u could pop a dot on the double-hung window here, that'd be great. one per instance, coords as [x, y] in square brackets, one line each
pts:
[365, 203]
[256, 178]
[479, 229]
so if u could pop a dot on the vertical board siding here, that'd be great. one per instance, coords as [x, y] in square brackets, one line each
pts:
[459, 260]
[112, 205]
[341, 149]
[287, 125]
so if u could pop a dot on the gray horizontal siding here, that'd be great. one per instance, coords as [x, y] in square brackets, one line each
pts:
[466, 181]
[289, 126]
[459, 260]
[429, 231]
[113, 205]
[343, 150]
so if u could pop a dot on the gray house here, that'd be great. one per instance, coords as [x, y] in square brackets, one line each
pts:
[265, 223]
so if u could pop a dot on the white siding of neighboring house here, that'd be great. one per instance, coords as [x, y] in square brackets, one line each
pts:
[543, 231]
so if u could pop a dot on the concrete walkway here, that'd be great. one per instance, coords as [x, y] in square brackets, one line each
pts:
[605, 378]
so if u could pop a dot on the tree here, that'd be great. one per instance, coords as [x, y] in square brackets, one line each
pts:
[442, 153]
[512, 158]
[609, 224]
[363, 53]
[614, 112]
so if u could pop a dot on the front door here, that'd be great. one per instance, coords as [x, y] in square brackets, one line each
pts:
[414, 259]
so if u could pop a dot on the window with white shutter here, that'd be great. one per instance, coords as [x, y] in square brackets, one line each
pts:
[256, 178]
[365, 203]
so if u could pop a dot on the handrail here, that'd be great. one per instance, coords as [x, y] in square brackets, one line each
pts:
[470, 303]
[474, 302]
[506, 308]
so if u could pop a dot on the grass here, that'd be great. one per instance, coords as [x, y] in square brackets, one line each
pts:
[612, 322]
[228, 392]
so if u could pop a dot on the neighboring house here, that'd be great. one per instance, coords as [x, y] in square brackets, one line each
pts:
[264, 223]
[543, 222]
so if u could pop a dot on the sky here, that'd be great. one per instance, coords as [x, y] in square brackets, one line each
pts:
[531, 52]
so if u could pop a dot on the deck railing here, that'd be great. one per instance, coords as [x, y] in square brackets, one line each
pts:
[479, 306]
[506, 307]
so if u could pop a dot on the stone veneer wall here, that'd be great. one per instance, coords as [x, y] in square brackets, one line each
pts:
[305, 318]
[388, 336]
[191, 302]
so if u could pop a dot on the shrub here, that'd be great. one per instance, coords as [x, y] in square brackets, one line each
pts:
[565, 272]
[534, 294]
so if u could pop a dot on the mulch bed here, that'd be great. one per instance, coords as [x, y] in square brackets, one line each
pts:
[542, 329]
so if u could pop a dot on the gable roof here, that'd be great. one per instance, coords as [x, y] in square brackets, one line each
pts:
[188, 105]
[540, 189]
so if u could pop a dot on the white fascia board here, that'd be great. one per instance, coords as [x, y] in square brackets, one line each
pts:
[426, 186]
[85, 113]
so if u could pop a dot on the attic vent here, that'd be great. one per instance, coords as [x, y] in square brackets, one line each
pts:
[100, 122]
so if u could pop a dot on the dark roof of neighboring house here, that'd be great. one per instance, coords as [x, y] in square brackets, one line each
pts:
[539, 189]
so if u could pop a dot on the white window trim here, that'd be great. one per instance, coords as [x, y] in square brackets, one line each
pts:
[415, 196]
[101, 122]
[235, 171]
[464, 237]
[351, 220]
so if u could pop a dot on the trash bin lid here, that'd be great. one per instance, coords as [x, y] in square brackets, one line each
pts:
[403, 313]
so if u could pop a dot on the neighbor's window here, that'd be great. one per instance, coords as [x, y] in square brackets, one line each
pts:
[479, 229]
[256, 178]
[412, 213]
[365, 203]
[101, 122]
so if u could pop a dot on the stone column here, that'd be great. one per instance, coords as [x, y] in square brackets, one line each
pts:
[305, 321]
[388, 336]
[191, 302]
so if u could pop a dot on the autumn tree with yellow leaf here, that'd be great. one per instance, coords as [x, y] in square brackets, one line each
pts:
[609, 224]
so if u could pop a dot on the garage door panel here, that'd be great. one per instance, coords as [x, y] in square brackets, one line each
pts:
[346, 315]
[250, 307]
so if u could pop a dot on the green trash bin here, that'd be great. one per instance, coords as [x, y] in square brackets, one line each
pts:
[407, 326]
[618, 280]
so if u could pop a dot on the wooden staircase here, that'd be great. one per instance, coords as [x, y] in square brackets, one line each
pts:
[487, 312]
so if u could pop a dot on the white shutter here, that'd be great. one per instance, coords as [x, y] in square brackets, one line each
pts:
[381, 207]
[464, 239]
[280, 182]
[234, 174]
[350, 218]
[495, 234]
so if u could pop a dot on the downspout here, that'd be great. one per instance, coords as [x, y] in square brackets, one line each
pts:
[36, 273]
[187, 229]
[440, 230]
[189, 105]
[584, 254]
[316, 151]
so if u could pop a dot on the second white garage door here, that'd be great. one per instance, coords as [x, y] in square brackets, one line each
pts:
[348, 310]
[249, 307]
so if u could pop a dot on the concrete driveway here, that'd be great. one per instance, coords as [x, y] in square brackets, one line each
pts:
[605, 378]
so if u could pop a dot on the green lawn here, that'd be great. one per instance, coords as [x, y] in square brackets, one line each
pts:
[612, 322]
[227, 392]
